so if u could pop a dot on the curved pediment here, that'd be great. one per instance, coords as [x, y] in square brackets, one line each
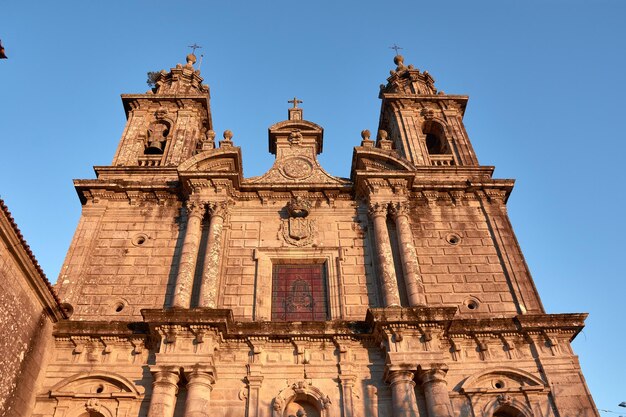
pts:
[216, 160]
[100, 383]
[379, 160]
[502, 379]
[288, 125]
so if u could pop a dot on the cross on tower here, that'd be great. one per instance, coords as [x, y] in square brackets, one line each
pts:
[194, 47]
[295, 102]
[395, 48]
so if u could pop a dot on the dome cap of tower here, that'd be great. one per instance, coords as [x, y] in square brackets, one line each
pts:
[182, 79]
[408, 80]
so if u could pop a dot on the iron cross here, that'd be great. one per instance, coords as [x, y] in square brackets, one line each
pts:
[295, 102]
[194, 47]
[395, 48]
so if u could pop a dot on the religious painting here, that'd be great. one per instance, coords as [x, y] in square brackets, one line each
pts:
[299, 293]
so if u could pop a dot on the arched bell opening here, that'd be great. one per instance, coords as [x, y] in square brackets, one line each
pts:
[436, 142]
[157, 137]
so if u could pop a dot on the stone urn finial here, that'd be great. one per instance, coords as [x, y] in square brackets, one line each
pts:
[191, 59]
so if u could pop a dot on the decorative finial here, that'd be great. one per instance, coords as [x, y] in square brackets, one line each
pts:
[395, 48]
[191, 58]
[365, 135]
[227, 142]
[295, 102]
[399, 61]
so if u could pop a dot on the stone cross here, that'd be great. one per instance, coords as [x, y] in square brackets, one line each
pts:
[295, 102]
[194, 47]
[395, 48]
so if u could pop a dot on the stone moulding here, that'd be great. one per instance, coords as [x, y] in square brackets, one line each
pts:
[375, 323]
[126, 387]
[301, 390]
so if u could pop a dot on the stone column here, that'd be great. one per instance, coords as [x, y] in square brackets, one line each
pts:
[208, 286]
[188, 255]
[410, 265]
[387, 273]
[436, 390]
[199, 387]
[164, 390]
[403, 400]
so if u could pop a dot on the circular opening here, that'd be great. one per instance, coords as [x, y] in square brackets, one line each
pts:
[119, 307]
[499, 384]
[453, 239]
[99, 389]
[68, 309]
[471, 304]
[139, 240]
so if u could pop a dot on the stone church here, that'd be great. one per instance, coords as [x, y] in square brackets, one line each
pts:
[190, 290]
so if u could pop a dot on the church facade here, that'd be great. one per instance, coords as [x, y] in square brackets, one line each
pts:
[400, 291]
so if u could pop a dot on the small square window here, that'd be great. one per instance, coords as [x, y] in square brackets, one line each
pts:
[299, 293]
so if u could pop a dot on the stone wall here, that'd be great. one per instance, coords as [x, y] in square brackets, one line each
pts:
[27, 311]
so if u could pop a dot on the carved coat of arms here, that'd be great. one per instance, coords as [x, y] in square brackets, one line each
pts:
[298, 230]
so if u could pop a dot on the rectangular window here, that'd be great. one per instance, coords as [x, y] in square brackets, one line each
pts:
[299, 292]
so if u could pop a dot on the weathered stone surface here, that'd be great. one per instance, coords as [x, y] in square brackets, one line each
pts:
[193, 287]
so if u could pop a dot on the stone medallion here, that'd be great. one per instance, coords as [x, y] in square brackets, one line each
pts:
[297, 168]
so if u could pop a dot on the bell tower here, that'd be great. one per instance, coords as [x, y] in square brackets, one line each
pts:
[168, 123]
[424, 124]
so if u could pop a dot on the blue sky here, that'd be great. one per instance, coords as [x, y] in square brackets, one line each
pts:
[546, 82]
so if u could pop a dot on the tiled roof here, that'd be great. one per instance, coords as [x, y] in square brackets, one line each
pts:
[30, 254]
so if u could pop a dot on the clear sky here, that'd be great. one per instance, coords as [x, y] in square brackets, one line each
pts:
[547, 103]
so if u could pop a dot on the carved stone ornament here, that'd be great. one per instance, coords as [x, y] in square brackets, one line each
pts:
[301, 389]
[504, 399]
[93, 405]
[298, 230]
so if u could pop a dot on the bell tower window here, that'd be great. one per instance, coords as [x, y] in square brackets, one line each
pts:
[437, 145]
[157, 135]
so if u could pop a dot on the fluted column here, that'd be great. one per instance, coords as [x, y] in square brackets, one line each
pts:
[208, 286]
[436, 390]
[199, 387]
[403, 402]
[410, 265]
[164, 390]
[387, 273]
[189, 255]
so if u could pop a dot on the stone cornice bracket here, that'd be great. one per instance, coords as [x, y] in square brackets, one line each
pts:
[256, 345]
[198, 185]
[399, 186]
[373, 186]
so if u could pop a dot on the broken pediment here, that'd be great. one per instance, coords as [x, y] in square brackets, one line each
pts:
[226, 160]
[502, 379]
[97, 384]
[378, 160]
